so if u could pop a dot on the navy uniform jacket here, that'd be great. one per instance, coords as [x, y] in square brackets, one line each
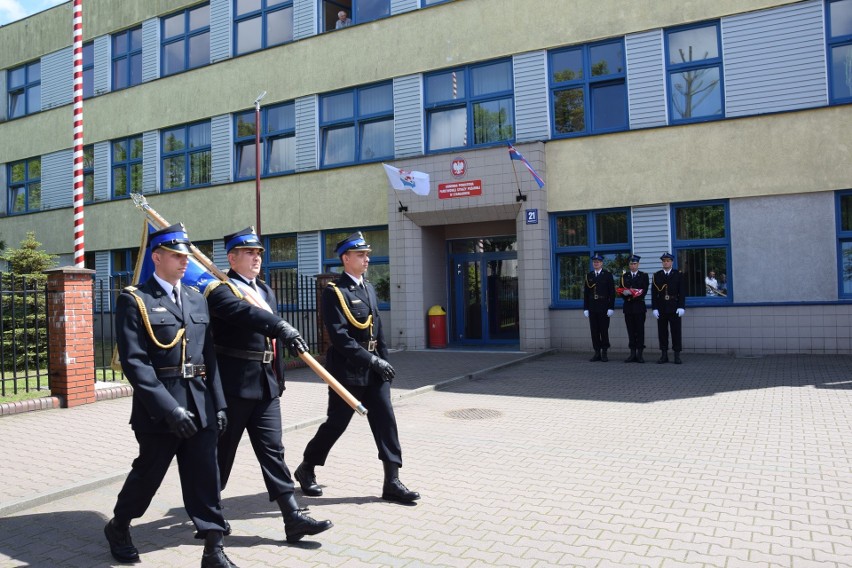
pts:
[634, 304]
[672, 286]
[154, 397]
[598, 292]
[347, 359]
[239, 324]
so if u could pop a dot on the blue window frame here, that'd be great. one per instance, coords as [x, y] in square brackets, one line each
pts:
[186, 40]
[702, 244]
[356, 12]
[122, 265]
[259, 24]
[126, 166]
[839, 23]
[357, 125]
[126, 58]
[588, 89]
[24, 89]
[88, 70]
[469, 106]
[694, 76]
[24, 186]
[575, 237]
[88, 174]
[843, 210]
[379, 271]
[281, 268]
[186, 156]
[277, 141]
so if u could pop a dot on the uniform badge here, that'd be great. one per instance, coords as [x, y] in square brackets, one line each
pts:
[159, 309]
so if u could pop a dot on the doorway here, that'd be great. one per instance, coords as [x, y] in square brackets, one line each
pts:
[484, 291]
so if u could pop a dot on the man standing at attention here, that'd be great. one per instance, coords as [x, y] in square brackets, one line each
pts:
[633, 288]
[598, 306]
[357, 358]
[668, 298]
[166, 350]
[245, 328]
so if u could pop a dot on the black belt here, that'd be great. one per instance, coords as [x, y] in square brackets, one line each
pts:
[369, 345]
[262, 356]
[187, 371]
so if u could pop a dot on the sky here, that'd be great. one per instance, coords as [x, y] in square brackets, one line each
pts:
[13, 10]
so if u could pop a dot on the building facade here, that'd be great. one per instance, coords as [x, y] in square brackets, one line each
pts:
[716, 130]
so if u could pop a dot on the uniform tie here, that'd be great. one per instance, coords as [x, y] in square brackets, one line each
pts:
[176, 296]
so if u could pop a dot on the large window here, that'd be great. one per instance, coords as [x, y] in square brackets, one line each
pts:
[844, 242]
[379, 271]
[24, 186]
[186, 156]
[88, 70]
[587, 89]
[357, 125]
[126, 167]
[277, 141]
[259, 24]
[694, 73]
[355, 12]
[122, 264]
[840, 50]
[578, 236]
[282, 269]
[88, 174]
[24, 85]
[470, 106]
[702, 245]
[186, 40]
[126, 58]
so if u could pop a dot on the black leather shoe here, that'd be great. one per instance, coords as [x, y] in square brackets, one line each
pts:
[639, 358]
[677, 360]
[304, 474]
[394, 490]
[632, 356]
[604, 358]
[297, 525]
[597, 357]
[120, 545]
[216, 558]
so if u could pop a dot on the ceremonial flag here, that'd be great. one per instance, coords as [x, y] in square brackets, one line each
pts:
[403, 180]
[196, 275]
[515, 155]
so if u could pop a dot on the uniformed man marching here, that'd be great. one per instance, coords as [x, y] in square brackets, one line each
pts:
[633, 287]
[250, 340]
[668, 299]
[598, 306]
[357, 358]
[167, 354]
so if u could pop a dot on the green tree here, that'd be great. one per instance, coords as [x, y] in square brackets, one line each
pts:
[29, 260]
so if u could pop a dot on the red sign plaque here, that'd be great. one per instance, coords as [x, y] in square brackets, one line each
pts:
[460, 189]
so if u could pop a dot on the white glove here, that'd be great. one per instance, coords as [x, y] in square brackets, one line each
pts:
[656, 314]
[609, 313]
[586, 313]
[680, 312]
[627, 292]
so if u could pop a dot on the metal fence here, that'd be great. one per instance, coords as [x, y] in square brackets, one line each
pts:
[297, 296]
[24, 352]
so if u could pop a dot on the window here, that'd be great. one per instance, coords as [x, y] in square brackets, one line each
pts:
[126, 167]
[126, 58]
[356, 12]
[576, 237]
[844, 242]
[694, 73]
[587, 89]
[206, 248]
[840, 50]
[282, 269]
[88, 70]
[702, 245]
[357, 125]
[259, 24]
[122, 265]
[379, 271]
[24, 186]
[88, 174]
[24, 84]
[186, 156]
[469, 106]
[277, 141]
[186, 40]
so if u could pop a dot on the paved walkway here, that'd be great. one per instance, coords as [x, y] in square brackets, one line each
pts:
[550, 461]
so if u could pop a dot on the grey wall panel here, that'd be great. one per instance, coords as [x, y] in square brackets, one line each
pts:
[651, 235]
[150, 49]
[57, 179]
[304, 18]
[220, 257]
[532, 110]
[4, 108]
[646, 79]
[102, 171]
[306, 134]
[221, 25]
[4, 193]
[151, 162]
[221, 152]
[103, 64]
[102, 272]
[408, 116]
[57, 78]
[775, 60]
[401, 6]
[309, 253]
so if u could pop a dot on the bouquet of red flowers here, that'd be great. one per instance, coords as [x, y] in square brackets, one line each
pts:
[631, 291]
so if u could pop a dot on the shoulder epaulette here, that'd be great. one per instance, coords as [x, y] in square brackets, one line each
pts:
[216, 283]
[130, 288]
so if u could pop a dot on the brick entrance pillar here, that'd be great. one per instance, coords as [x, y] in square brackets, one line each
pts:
[70, 323]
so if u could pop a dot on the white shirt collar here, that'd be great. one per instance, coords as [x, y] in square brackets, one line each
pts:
[167, 286]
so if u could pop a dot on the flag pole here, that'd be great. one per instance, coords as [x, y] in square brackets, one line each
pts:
[78, 194]
[520, 197]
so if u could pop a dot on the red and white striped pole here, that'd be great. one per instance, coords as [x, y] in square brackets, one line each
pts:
[79, 248]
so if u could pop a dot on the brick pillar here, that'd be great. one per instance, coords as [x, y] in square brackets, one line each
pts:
[71, 330]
